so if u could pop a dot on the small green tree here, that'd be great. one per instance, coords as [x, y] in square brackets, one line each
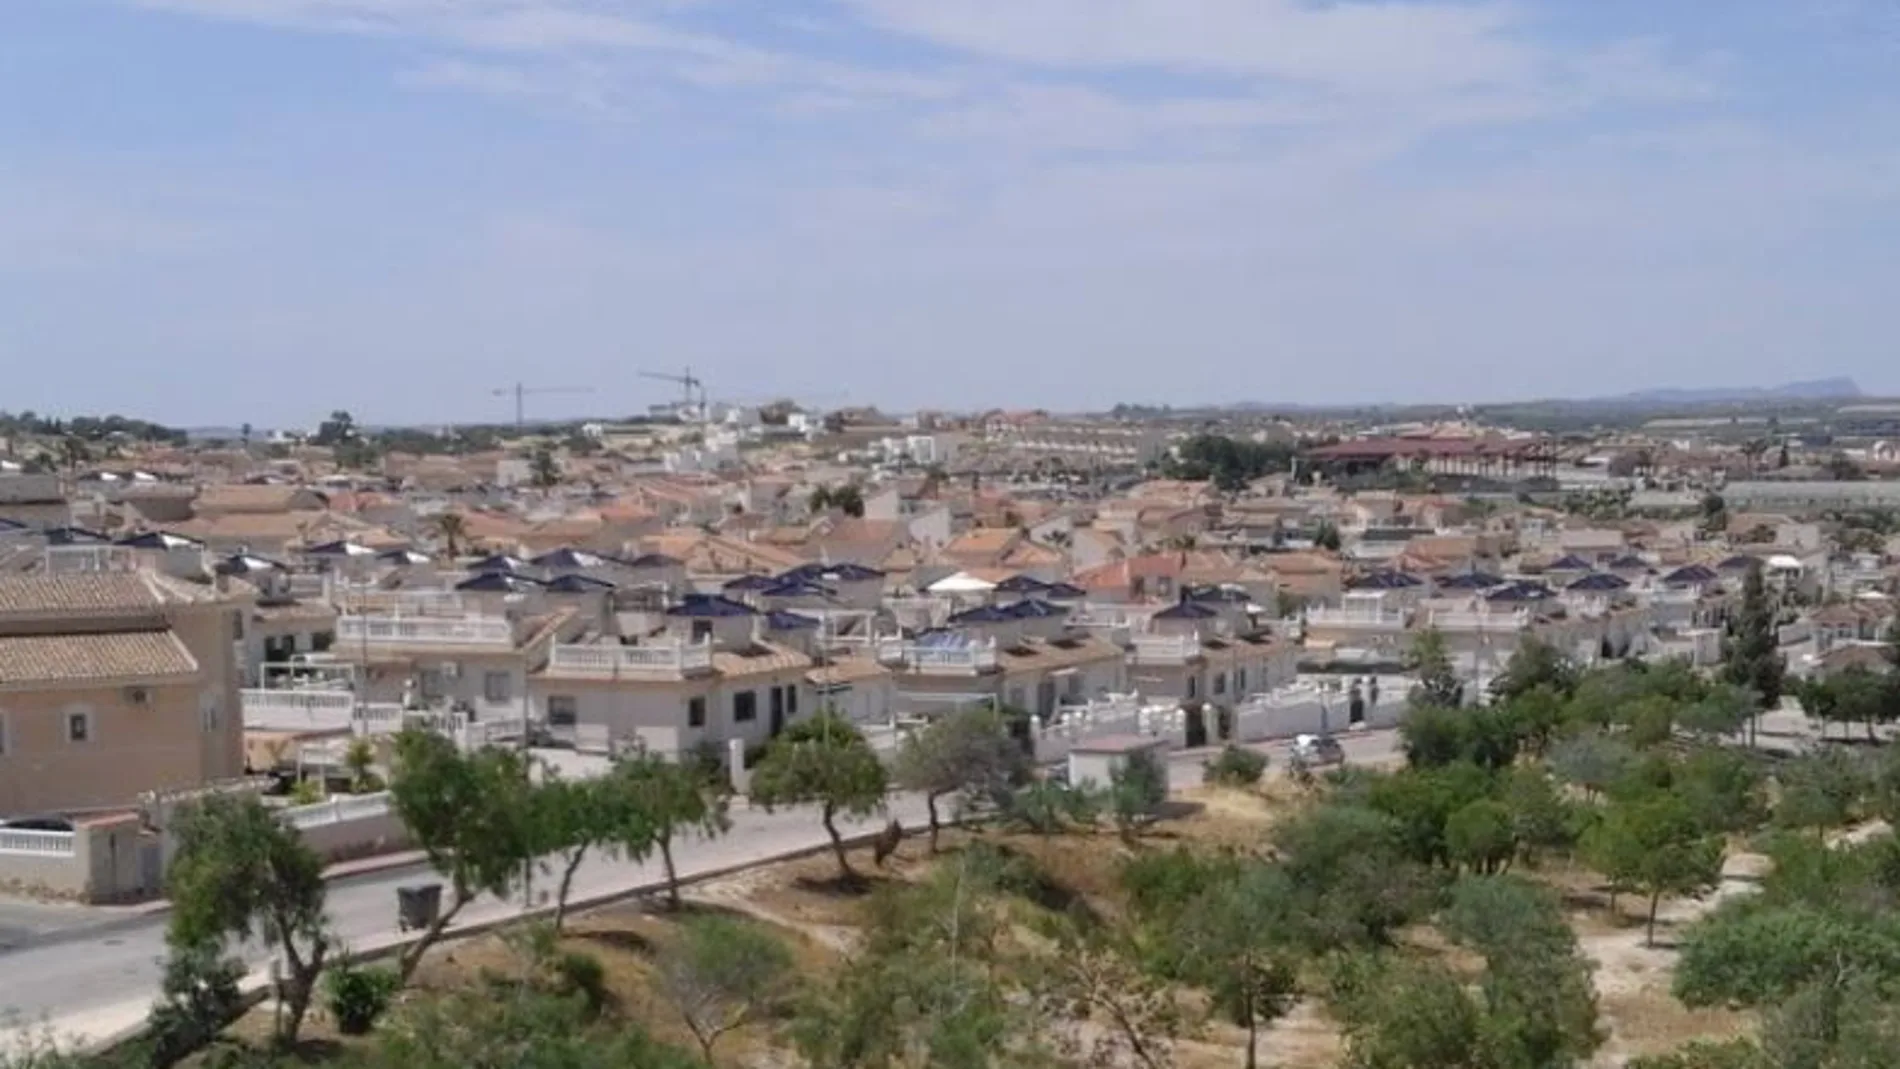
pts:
[826, 762]
[198, 997]
[1235, 766]
[1438, 683]
[1820, 790]
[473, 815]
[575, 817]
[1654, 845]
[1136, 789]
[1235, 941]
[659, 801]
[721, 972]
[238, 873]
[968, 753]
[1480, 836]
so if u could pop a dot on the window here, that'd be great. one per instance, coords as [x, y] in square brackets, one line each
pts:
[745, 706]
[1240, 681]
[78, 727]
[209, 716]
[1193, 687]
[563, 711]
[237, 626]
[430, 683]
[778, 703]
[791, 700]
[702, 630]
[695, 712]
[497, 686]
[1220, 683]
[322, 641]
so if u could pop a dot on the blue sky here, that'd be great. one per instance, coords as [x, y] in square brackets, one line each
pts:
[227, 210]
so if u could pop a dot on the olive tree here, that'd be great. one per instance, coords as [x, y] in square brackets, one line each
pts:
[473, 814]
[826, 762]
[968, 754]
[239, 872]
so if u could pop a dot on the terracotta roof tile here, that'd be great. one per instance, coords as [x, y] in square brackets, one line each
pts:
[100, 593]
[78, 658]
[762, 659]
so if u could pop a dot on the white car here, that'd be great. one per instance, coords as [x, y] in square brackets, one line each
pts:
[1318, 750]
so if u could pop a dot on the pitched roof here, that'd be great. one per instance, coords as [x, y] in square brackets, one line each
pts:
[1600, 581]
[709, 606]
[92, 594]
[84, 657]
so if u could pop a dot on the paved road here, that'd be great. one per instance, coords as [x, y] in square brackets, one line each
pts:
[91, 980]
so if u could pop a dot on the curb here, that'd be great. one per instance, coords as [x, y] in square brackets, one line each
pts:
[255, 987]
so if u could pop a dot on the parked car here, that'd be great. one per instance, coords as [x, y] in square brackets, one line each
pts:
[1318, 750]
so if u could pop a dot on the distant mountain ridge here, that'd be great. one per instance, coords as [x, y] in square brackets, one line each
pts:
[1835, 389]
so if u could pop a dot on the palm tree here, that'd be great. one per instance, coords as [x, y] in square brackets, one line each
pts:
[451, 527]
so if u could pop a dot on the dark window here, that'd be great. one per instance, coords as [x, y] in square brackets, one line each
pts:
[695, 712]
[322, 640]
[1220, 684]
[702, 630]
[778, 702]
[1240, 681]
[563, 711]
[745, 706]
[791, 700]
[1193, 688]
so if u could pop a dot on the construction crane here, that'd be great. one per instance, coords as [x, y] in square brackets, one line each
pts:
[521, 393]
[687, 383]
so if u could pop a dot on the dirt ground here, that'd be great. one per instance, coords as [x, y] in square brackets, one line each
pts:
[800, 899]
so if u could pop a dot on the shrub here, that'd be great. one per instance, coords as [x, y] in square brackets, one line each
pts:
[1235, 766]
[358, 997]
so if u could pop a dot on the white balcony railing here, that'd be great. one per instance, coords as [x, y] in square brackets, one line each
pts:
[37, 843]
[425, 630]
[1166, 649]
[1672, 597]
[664, 659]
[976, 657]
[296, 710]
[1451, 620]
[338, 809]
[1357, 619]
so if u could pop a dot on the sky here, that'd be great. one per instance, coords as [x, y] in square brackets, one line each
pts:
[214, 211]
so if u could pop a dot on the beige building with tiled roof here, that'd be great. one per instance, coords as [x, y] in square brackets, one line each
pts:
[113, 684]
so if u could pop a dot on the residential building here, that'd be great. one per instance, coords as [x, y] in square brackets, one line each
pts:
[112, 684]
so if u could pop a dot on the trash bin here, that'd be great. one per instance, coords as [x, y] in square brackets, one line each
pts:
[418, 906]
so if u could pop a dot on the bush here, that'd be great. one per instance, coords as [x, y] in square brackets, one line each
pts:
[1234, 766]
[580, 973]
[358, 997]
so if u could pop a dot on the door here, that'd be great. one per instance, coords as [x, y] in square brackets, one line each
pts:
[151, 866]
[778, 711]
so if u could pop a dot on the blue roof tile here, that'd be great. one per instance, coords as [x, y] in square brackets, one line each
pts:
[710, 606]
[1187, 610]
[499, 583]
[1599, 581]
[983, 614]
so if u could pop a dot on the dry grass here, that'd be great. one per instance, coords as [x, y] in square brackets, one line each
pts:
[819, 919]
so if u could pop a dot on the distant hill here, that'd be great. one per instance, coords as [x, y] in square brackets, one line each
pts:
[1835, 389]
